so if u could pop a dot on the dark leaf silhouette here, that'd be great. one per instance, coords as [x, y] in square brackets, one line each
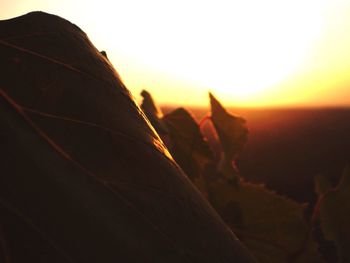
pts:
[335, 212]
[187, 145]
[104, 53]
[271, 226]
[232, 133]
[153, 113]
[84, 178]
[231, 129]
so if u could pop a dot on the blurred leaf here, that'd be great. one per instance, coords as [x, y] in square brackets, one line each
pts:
[227, 169]
[271, 226]
[84, 177]
[104, 53]
[153, 113]
[4, 253]
[335, 212]
[233, 134]
[188, 147]
[232, 130]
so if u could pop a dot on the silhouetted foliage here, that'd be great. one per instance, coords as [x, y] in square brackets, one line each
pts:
[271, 226]
[153, 113]
[84, 177]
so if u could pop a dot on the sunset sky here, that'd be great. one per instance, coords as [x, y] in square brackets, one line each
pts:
[248, 53]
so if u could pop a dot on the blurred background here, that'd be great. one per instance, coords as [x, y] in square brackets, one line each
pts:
[283, 65]
[249, 53]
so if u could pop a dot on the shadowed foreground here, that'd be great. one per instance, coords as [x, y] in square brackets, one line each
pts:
[84, 178]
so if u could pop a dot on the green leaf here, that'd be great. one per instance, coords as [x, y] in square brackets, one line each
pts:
[272, 227]
[335, 212]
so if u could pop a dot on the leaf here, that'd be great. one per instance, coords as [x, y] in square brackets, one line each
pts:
[335, 212]
[84, 177]
[231, 129]
[228, 170]
[104, 53]
[4, 253]
[187, 145]
[270, 226]
[233, 134]
[153, 113]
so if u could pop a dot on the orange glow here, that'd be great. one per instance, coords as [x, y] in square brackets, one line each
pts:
[250, 53]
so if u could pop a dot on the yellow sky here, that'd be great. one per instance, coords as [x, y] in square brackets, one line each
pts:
[249, 53]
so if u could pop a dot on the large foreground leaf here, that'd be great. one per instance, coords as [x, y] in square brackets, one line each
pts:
[84, 178]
